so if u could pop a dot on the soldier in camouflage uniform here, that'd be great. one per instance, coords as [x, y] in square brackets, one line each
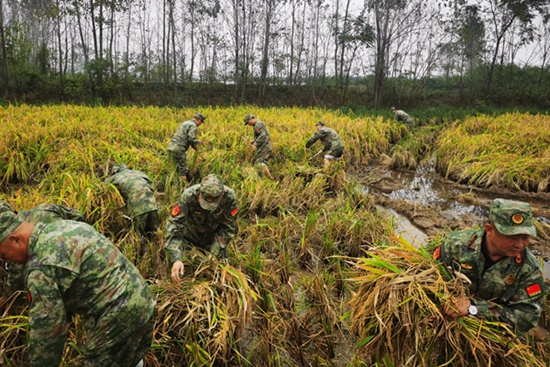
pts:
[507, 282]
[185, 136]
[137, 190]
[261, 143]
[43, 213]
[403, 117]
[332, 144]
[71, 268]
[204, 217]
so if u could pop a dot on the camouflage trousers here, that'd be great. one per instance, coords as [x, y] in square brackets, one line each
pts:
[263, 155]
[335, 153]
[146, 223]
[127, 353]
[179, 159]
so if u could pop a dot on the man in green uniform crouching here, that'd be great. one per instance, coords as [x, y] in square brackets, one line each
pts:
[72, 268]
[506, 280]
[203, 217]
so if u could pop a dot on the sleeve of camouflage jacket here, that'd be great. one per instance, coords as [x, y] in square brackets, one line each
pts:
[192, 136]
[175, 244]
[227, 228]
[523, 311]
[14, 281]
[47, 320]
[261, 139]
[318, 135]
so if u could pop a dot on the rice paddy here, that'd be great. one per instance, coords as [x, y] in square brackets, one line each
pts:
[314, 276]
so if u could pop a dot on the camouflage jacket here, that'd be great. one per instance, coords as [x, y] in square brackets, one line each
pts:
[191, 225]
[512, 290]
[328, 137]
[44, 213]
[185, 136]
[136, 189]
[261, 136]
[72, 268]
[402, 116]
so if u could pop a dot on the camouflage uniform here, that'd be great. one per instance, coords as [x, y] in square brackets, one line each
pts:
[332, 144]
[190, 224]
[262, 143]
[185, 136]
[44, 213]
[73, 268]
[403, 117]
[512, 290]
[137, 190]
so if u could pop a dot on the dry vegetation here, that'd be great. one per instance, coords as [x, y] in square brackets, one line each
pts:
[284, 298]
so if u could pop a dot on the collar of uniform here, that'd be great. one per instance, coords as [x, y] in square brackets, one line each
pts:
[33, 239]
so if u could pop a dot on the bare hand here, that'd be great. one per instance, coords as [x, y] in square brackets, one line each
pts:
[254, 147]
[177, 270]
[457, 308]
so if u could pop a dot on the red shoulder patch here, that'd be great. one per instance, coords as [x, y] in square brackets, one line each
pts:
[533, 290]
[437, 253]
[519, 259]
[175, 210]
[29, 297]
[234, 211]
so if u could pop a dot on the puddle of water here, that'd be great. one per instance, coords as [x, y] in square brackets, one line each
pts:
[405, 228]
[428, 190]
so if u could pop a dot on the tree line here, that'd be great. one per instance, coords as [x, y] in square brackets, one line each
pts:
[372, 53]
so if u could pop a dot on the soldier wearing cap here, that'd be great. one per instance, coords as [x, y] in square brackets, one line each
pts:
[403, 117]
[332, 144]
[44, 213]
[203, 217]
[137, 190]
[69, 267]
[507, 284]
[185, 136]
[261, 143]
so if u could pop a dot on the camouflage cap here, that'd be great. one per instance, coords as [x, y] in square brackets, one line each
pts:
[117, 168]
[200, 116]
[393, 108]
[512, 217]
[9, 221]
[248, 117]
[211, 191]
[320, 123]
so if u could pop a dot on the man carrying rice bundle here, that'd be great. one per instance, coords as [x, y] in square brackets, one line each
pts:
[506, 279]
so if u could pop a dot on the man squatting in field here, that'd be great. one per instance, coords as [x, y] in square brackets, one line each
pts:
[261, 143]
[403, 117]
[506, 280]
[204, 217]
[43, 213]
[185, 136]
[141, 206]
[332, 144]
[69, 267]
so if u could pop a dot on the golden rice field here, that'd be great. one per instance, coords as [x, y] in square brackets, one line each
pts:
[311, 251]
